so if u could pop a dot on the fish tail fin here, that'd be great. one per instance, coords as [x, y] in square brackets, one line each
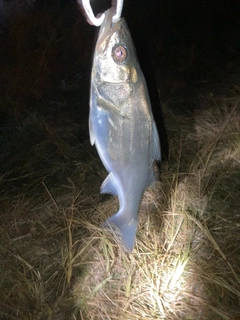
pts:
[125, 232]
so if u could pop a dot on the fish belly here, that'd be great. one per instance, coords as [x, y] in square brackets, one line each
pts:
[124, 145]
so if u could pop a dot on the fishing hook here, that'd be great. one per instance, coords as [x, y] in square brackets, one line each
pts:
[118, 4]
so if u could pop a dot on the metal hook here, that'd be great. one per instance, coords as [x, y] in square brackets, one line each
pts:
[118, 4]
[118, 7]
[91, 19]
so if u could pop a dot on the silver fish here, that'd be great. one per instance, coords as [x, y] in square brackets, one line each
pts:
[121, 125]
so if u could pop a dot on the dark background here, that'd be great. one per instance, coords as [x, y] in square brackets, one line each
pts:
[186, 43]
[185, 48]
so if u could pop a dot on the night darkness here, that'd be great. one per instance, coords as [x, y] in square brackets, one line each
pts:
[185, 48]
[50, 175]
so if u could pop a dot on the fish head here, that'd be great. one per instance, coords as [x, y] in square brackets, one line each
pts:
[115, 58]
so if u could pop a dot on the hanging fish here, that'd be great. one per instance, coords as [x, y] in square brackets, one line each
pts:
[121, 125]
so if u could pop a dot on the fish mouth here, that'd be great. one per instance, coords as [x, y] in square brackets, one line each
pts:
[107, 27]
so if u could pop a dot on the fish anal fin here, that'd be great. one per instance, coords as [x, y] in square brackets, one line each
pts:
[152, 178]
[108, 186]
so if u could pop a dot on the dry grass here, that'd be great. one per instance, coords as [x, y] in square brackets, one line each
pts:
[56, 263]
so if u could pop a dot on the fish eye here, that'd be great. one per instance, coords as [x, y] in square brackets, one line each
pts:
[119, 53]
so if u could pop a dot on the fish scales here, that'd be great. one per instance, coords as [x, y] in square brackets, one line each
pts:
[121, 125]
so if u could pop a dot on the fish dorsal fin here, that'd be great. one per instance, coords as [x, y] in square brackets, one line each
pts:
[156, 143]
[91, 134]
[108, 186]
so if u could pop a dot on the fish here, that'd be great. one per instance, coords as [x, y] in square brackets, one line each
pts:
[121, 125]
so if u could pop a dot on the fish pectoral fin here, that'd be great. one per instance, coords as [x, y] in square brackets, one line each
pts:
[109, 107]
[156, 143]
[125, 232]
[108, 186]
[106, 105]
